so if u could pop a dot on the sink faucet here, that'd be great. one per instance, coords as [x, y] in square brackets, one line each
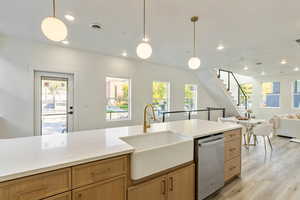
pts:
[146, 126]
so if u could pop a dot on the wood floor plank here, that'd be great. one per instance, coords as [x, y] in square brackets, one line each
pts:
[274, 175]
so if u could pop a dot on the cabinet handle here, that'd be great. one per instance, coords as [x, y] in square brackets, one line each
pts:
[164, 183]
[171, 184]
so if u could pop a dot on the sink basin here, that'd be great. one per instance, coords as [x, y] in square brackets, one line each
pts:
[156, 152]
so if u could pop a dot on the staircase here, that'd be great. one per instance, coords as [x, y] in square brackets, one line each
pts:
[234, 90]
[226, 89]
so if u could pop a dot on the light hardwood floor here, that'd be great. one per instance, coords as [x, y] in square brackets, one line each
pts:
[271, 176]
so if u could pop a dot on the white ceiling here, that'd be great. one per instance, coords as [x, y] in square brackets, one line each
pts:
[251, 31]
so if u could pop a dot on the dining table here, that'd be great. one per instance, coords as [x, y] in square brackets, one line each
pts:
[249, 124]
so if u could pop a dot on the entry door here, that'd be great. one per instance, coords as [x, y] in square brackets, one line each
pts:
[54, 103]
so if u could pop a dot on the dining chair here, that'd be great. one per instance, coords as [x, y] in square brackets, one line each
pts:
[264, 130]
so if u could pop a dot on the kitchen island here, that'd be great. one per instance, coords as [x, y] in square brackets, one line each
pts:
[66, 158]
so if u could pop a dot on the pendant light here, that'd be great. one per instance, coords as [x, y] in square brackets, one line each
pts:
[144, 49]
[194, 62]
[53, 28]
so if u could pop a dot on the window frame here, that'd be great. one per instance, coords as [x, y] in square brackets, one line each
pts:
[129, 118]
[168, 95]
[262, 95]
[293, 94]
[194, 98]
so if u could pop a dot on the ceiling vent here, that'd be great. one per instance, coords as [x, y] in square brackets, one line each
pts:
[96, 26]
[259, 63]
[298, 42]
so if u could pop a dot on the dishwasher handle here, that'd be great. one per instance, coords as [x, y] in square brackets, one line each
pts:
[211, 142]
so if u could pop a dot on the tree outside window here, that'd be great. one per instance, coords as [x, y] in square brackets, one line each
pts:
[118, 99]
[190, 97]
[160, 97]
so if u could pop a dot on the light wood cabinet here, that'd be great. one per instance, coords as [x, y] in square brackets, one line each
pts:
[64, 196]
[181, 184]
[177, 185]
[114, 189]
[232, 154]
[232, 135]
[232, 149]
[38, 186]
[98, 171]
[155, 189]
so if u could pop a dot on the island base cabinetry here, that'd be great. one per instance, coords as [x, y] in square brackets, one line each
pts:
[232, 154]
[114, 189]
[176, 185]
[64, 196]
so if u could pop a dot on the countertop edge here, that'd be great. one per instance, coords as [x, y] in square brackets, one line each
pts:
[33, 172]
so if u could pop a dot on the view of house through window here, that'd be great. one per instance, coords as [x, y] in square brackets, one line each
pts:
[248, 90]
[117, 99]
[190, 97]
[160, 97]
[296, 94]
[271, 94]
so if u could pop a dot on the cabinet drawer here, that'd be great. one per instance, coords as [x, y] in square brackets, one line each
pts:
[37, 186]
[97, 171]
[64, 196]
[232, 135]
[232, 149]
[112, 189]
[232, 168]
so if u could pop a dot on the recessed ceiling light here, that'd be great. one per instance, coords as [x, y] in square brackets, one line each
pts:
[296, 69]
[263, 73]
[220, 47]
[283, 61]
[124, 54]
[69, 17]
[66, 42]
[96, 26]
[246, 68]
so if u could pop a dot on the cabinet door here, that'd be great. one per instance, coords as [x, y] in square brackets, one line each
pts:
[181, 184]
[155, 189]
[114, 189]
[64, 196]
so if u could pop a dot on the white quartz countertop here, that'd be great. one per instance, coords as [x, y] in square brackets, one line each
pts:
[26, 156]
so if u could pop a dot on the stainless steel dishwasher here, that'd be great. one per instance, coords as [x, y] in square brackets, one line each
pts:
[210, 165]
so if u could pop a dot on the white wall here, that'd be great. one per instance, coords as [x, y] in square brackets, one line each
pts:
[19, 58]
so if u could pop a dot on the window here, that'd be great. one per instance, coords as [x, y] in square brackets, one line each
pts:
[160, 97]
[271, 94]
[117, 99]
[248, 89]
[296, 94]
[190, 97]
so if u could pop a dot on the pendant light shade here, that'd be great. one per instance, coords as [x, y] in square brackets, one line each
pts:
[194, 62]
[144, 49]
[53, 28]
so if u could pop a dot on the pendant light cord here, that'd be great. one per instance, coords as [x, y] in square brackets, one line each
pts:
[194, 39]
[144, 28]
[54, 10]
